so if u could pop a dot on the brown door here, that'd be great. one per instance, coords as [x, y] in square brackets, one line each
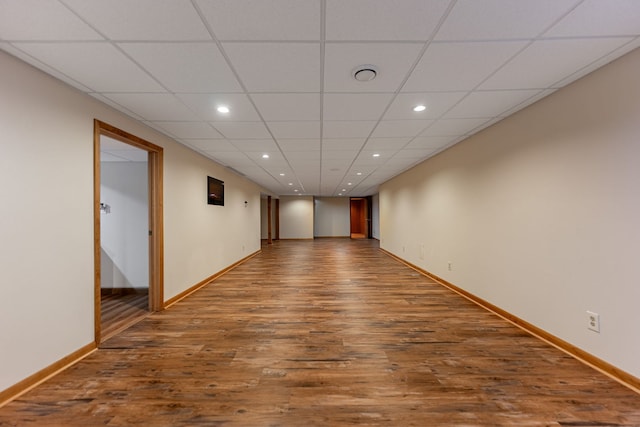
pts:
[359, 229]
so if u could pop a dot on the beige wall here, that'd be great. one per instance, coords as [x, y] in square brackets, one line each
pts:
[46, 227]
[539, 214]
[296, 217]
[331, 217]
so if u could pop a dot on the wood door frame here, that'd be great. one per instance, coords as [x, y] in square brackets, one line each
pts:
[156, 218]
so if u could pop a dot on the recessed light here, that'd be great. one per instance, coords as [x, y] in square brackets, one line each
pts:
[344, 189]
[223, 109]
[419, 108]
[348, 183]
[281, 174]
[265, 156]
[296, 190]
[376, 155]
[291, 183]
[358, 173]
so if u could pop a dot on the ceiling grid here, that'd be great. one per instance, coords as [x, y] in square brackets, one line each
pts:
[284, 68]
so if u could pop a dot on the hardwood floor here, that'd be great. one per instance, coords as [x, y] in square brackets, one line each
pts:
[328, 332]
[119, 311]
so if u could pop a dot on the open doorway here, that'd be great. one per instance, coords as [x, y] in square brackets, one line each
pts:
[128, 229]
[360, 213]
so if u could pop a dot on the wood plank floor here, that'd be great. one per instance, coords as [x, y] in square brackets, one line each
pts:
[119, 311]
[328, 332]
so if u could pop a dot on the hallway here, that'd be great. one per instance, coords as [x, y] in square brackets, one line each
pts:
[327, 332]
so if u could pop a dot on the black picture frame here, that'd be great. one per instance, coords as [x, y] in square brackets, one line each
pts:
[215, 191]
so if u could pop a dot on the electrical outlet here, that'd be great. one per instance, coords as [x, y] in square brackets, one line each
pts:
[450, 266]
[593, 320]
[421, 251]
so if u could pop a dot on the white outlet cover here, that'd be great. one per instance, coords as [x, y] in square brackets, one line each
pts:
[593, 320]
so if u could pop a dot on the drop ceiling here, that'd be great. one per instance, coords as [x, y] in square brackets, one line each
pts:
[284, 68]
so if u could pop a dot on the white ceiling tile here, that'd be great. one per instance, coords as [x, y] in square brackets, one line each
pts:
[115, 105]
[98, 66]
[154, 106]
[386, 143]
[383, 19]
[600, 18]
[459, 66]
[347, 129]
[231, 158]
[437, 103]
[303, 155]
[46, 68]
[527, 102]
[288, 106]
[185, 67]
[255, 145]
[342, 143]
[275, 157]
[430, 142]
[400, 128]
[602, 61]
[366, 158]
[181, 130]
[489, 103]
[575, 54]
[272, 67]
[392, 61]
[452, 127]
[41, 20]
[501, 19]
[360, 106]
[109, 157]
[158, 20]
[205, 105]
[308, 130]
[397, 163]
[112, 150]
[263, 19]
[210, 144]
[343, 155]
[156, 60]
[242, 130]
[415, 154]
[299, 144]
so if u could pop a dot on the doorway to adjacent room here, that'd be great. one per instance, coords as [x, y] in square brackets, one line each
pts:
[127, 228]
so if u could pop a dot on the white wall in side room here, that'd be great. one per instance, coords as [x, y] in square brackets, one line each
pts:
[124, 225]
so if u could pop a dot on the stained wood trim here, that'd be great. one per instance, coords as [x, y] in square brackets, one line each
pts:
[269, 240]
[41, 376]
[208, 280]
[156, 225]
[97, 330]
[589, 359]
[277, 221]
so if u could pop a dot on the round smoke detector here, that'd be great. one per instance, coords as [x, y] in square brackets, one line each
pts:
[365, 73]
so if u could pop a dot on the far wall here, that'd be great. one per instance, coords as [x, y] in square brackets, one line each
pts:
[331, 217]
